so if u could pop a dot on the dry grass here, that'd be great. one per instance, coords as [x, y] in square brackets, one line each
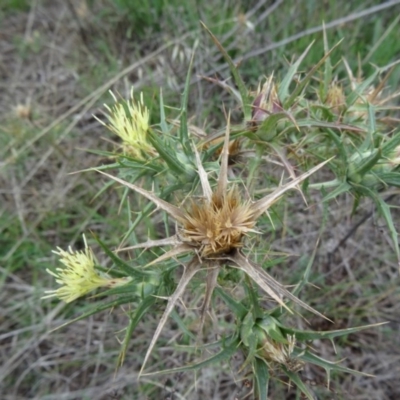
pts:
[54, 70]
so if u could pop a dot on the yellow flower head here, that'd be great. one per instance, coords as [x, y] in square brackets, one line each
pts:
[78, 275]
[130, 121]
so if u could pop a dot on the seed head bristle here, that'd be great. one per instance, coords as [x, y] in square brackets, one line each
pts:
[218, 226]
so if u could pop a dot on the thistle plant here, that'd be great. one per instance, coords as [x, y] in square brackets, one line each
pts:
[217, 213]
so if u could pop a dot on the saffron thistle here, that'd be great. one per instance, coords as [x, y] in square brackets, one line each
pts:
[130, 121]
[213, 231]
[78, 276]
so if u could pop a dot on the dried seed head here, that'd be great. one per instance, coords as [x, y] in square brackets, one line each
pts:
[218, 226]
[23, 111]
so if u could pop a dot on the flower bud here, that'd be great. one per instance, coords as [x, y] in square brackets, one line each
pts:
[335, 98]
[361, 163]
[266, 102]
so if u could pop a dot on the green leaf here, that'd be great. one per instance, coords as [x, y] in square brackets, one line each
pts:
[283, 90]
[271, 327]
[342, 188]
[167, 152]
[360, 89]
[267, 131]
[163, 120]
[361, 163]
[141, 289]
[179, 321]
[324, 124]
[261, 374]
[306, 274]
[228, 351]
[295, 378]
[369, 138]
[384, 209]
[99, 308]
[134, 319]
[391, 144]
[308, 78]
[327, 365]
[338, 142]
[390, 178]
[126, 268]
[246, 328]
[328, 66]
[302, 335]
[236, 76]
[237, 308]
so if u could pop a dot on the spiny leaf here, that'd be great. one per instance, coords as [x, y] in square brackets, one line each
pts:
[225, 354]
[262, 205]
[176, 251]
[295, 378]
[261, 374]
[188, 274]
[283, 91]
[342, 188]
[237, 308]
[167, 153]
[327, 365]
[175, 212]
[302, 335]
[269, 284]
[360, 89]
[211, 283]
[170, 241]
[308, 77]
[384, 209]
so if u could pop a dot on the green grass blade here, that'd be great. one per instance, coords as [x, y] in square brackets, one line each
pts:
[99, 308]
[135, 318]
[183, 128]
[236, 76]
[163, 120]
[328, 66]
